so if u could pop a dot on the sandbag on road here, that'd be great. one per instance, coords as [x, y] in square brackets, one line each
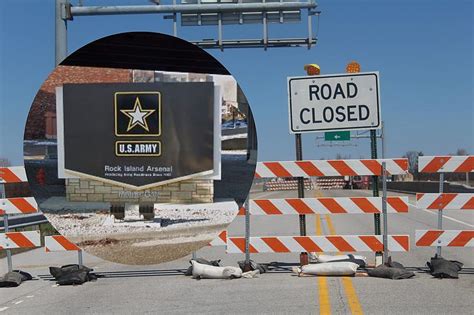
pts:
[391, 270]
[442, 268]
[14, 278]
[360, 260]
[329, 269]
[201, 271]
[72, 274]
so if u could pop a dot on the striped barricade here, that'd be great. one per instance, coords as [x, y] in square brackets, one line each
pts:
[329, 243]
[11, 240]
[21, 205]
[14, 174]
[330, 168]
[446, 164]
[58, 243]
[326, 205]
[444, 238]
[445, 201]
[220, 240]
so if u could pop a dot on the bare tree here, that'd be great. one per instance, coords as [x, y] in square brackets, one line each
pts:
[412, 157]
[4, 162]
[462, 152]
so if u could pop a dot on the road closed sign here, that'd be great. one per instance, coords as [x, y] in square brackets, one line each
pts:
[334, 102]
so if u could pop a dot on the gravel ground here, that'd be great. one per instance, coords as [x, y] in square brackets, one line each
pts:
[183, 229]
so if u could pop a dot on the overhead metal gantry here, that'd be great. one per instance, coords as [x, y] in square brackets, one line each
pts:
[206, 12]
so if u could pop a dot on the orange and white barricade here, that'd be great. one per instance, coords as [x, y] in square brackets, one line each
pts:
[11, 240]
[220, 240]
[445, 238]
[330, 168]
[59, 243]
[445, 201]
[15, 174]
[21, 205]
[304, 206]
[331, 243]
[326, 205]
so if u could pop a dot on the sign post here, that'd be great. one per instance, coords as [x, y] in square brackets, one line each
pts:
[335, 103]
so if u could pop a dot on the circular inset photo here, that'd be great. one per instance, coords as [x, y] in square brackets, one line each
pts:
[140, 148]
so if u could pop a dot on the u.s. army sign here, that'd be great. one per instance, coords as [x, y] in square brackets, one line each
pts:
[137, 134]
[334, 102]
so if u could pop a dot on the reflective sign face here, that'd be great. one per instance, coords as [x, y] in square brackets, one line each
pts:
[334, 102]
[137, 134]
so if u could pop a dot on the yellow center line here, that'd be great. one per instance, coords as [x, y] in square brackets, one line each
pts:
[324, 299]
[351, 293]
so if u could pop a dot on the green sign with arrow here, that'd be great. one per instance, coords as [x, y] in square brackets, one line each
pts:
[337, 136]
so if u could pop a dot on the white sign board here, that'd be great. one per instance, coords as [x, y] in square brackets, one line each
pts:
[334, 102]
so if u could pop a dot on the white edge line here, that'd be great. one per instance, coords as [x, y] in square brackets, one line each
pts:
[18, 302]
[3, 308]
[444, 216]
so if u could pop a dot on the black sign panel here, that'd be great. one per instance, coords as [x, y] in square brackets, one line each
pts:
[139, 133]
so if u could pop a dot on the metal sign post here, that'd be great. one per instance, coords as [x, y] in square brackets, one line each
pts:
[5, 227]
[302, 217]
[79, 257]
[384, 211]
[440, 210]
[375, 192]
[247, 234]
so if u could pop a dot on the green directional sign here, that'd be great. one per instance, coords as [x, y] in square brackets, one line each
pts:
[337, 136]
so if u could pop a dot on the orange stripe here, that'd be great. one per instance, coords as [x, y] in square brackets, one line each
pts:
[267, 206]
[428, 238]
[8, 176]
[397, 204]
[462, 239]
[308, 244]
[19, 239]
[372, 241]
[23, 205]
[435, 164]
[241, 211]
[332, 205]
[65, 243]
[365, 205]
[442, 201]
[373, 165]
[403, 163]
[469, 205]
[223, 236]
[240, 243]
[341, 244]
[277, 169]
[419, 196]
[403, 240]
[257, 175]
[342, 168]
[299, 206]
[466, 166]
[309, 168]
[275, 244]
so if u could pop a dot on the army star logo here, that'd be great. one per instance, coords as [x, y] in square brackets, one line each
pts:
[137, 115]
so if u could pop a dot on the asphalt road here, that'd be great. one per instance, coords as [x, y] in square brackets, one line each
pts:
[163, 288]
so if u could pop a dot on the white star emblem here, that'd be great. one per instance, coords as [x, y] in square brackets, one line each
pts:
[137, 115]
